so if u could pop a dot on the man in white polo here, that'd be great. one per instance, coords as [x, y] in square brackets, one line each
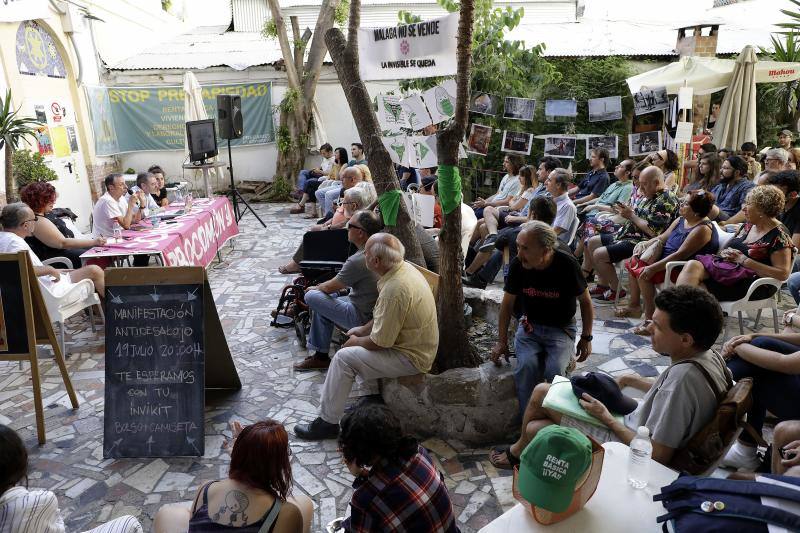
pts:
[112, 208]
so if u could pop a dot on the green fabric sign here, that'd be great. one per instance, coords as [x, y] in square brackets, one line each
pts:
[449, 188]
[130, 119]
[390, 206]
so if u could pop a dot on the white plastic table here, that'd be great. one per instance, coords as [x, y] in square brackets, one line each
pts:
[614, 507]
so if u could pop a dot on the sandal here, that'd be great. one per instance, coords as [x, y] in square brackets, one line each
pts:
[285, 270]
[642, 329]
[628, 312]
[510, 460]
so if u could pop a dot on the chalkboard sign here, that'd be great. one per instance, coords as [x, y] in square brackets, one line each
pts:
[155, 362]
[13, 328]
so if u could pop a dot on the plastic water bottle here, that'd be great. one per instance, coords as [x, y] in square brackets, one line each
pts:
[641, 449]
[117, 232]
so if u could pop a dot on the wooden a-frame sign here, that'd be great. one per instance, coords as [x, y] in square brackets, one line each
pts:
[25, 323]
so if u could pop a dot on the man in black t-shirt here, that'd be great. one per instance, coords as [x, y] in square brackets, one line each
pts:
[548, 282]
[788, 181]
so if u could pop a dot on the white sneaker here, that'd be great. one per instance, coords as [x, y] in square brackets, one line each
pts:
[741, 457]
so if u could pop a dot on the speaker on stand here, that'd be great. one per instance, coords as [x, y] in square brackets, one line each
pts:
[231, 126]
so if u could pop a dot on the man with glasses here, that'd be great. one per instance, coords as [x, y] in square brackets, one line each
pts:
[327, 303]
[775, 160]
[112, 208]
[18, 221]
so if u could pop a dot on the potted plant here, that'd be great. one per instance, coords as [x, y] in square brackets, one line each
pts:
[29, 167]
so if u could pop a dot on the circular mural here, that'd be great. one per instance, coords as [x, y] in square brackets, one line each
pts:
[37, 54]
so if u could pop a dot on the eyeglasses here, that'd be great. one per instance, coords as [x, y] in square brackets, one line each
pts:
[351, 225]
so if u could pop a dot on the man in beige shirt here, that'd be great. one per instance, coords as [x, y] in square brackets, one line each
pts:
[400, 340]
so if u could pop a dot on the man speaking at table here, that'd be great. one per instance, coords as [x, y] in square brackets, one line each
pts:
[112, 208]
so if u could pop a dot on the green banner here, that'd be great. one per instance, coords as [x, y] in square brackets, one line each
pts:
[131, 119]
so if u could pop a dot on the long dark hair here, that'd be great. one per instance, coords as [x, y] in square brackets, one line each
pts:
[341, 156]
[260, 458]
[712, 178]
[372, 432]
[527, 174]
[13, 458]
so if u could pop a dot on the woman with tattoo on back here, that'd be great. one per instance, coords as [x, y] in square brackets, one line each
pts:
[255, 496]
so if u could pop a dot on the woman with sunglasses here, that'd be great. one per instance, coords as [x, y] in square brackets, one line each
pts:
[254, 497]
[692, 233]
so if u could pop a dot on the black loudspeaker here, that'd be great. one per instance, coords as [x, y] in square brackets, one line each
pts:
[229, 116]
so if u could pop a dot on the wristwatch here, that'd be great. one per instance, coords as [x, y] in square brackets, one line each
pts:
[587, 338]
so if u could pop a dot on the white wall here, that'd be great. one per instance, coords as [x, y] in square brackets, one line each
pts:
[249, 162]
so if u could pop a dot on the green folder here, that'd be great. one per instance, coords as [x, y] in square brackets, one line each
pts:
[561, 398]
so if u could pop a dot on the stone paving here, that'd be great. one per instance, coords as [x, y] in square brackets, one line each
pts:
[246, 285]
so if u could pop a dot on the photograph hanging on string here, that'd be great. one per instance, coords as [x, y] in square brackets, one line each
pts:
[609, 142]
[519, 108]
[554, 109]
[480, 137]
[485, 104]
[650, 100]
[601, 109]
[644, 143]
[517, 142]
[560, 146]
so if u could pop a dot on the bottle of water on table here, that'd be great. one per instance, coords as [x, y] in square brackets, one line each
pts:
[117, 232]
[641, 449]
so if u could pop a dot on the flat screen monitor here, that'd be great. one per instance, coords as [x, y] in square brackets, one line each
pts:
[202, 138]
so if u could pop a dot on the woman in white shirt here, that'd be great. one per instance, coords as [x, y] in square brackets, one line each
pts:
[35, 511]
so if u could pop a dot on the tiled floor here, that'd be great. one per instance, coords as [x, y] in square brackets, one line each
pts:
[245, 285]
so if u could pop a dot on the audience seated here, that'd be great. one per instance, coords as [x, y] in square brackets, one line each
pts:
[18, 223]
[254, 497]
[596, 180]
[116, 207]
[508, 188]
[51, 237]
[786, 449]
[36, 511]
[566, 222]
[312, 184]
[486, 265]
[651, 216]
[793, 160]
[397, 486]
[514, 214]
[667, 161]
[547, 282]
[400, 340]
[731, 191]
[329, 306]
[773, 361]
[326, 164]
[355, 198]
[692, 164]
[788, 181]
[707, 174]
[326, 196]
[761, 247]
[160, 196]
[775, 159]
[748, 153]
[676, 405]
[691, 234]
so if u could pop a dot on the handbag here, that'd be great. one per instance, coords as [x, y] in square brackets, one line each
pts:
[725, 272]
[653, 252]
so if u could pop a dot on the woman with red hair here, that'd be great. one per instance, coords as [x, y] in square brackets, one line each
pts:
[51, 237]
[254, 497]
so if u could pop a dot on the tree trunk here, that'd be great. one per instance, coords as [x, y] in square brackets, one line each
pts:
[345, 60]
[455, 349]
[11, 189]
[291, 162]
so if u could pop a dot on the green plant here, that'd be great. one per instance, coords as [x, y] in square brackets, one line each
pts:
[283, 140]
[782, 98]
[129, 170]
[13, 129]
[30, 167]
[280, 190]
[269, 30]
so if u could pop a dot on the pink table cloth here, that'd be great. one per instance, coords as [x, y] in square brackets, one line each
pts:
[191, 239]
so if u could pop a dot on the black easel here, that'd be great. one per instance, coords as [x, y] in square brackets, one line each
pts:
[236, 196]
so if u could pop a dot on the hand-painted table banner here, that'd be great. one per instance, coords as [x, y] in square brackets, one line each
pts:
[192, 239]
[130, 119]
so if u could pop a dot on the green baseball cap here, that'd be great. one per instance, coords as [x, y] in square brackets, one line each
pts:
[551, 466]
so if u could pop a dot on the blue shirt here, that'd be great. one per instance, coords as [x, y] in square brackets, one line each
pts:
[731, 197]
[596, 181]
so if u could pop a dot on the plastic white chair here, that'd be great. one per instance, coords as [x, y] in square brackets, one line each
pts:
[81, 296]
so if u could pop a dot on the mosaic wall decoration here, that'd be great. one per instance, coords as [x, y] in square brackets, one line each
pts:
[37, 54]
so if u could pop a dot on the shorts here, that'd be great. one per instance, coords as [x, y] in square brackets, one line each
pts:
[603, 434]
[617, 251]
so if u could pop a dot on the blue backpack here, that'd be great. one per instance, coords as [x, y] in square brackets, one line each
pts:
[715, 505]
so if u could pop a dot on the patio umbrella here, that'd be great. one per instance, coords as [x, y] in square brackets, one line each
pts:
[737, 117]
[709, 74]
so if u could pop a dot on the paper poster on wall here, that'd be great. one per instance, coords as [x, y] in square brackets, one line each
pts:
[3, 330]
[72, 135]
[441, 101]
[479, 139]
[416, 111]
[609, 142]
[391, 115]
[519, 108]
[43, 140]
[60, 141]
[423, 151]
[517, 142]
[41, 116]
[560, 146]
[56, 113]
[644, 143]
[410, 51]
[609, 108]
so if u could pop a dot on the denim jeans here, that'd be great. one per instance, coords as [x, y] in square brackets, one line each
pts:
[541, 355]
[505, 237]
[794, 286]
[773, 391]
[327, 310]
[302, 178]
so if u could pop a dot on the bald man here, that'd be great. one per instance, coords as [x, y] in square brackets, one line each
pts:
[400, 340]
